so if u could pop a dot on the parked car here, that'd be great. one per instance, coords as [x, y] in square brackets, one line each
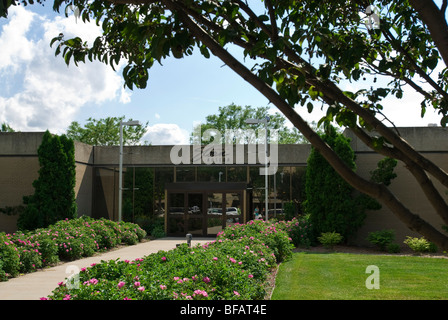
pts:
[232, 211]
[217, 211]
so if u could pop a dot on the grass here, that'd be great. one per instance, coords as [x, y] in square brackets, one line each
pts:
[342, 276]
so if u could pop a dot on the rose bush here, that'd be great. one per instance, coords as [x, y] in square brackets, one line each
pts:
[66, 240]
[234, 266]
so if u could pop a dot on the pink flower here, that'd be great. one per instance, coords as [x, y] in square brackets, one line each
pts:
[215, 258]
[163, 258]
[206, 279]
[67, 297]
[121, 284]
[136, 284]
[60, 284]
[236, 293]
[43, 298]
[141, 289]
[162, 286]
[200, 293]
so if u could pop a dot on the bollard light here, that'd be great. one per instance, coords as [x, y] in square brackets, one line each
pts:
[189, 237]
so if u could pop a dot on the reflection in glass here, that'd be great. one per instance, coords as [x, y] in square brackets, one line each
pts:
[138, 195]
[214, 213]
[195, 226]
[195, 219]
[195, 203]
[161, 176]
[176, 225]
[237, 174]
[185, 174]
[211, 174]
[176, 204]
[233, 208]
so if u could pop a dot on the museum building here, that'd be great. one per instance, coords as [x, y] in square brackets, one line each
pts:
[200, 198]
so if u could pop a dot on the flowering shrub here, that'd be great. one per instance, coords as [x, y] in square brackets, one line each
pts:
[234, 266]
[271, 233]
[9, 258]
[66, 240]
[300, 230]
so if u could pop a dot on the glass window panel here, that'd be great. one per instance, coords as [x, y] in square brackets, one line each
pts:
[195, 226]
[185, 174]
[195, 203]
[176, 204]
[237, 174]
[233, 208]
[257, 183]
[214, 224]
[211, 174]
[214, 213]
[176, 225]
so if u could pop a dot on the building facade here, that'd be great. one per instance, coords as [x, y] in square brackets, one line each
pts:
[199, 198]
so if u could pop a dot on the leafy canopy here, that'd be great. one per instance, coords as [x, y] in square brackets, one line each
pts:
[106, 132]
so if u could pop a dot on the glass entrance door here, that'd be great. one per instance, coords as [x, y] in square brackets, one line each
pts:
[196, 214]
[215, 212]
[203, 209]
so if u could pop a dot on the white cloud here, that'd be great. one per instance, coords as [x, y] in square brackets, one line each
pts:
[157, 116]
[166, 134]
[15, 47]
[52, 93]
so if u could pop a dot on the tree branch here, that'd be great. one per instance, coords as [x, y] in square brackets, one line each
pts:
[378, 191]
[436, 23]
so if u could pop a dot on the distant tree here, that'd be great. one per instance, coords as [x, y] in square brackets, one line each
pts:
[106, 132]
[54, 195]
[6, 128]
[233, 117]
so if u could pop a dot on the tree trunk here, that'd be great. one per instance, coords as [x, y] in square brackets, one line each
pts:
[436, 23]
[380, 192]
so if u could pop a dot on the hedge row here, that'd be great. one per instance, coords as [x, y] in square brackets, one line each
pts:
[234, 266]
[66, 240]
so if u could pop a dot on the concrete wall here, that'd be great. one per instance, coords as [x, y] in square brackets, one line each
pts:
[84, 178]
[160, 155]
[19, 167]
[432, 142]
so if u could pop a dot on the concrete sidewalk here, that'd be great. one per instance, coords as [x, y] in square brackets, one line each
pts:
[33, 286]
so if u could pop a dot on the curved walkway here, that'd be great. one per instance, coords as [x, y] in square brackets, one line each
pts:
[33, 286]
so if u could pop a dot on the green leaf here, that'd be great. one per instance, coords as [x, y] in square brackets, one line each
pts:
[310, 107]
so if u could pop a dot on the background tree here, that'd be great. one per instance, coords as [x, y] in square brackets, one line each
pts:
[106, 132]
[6, 127]
[54, 194]
[233, 117]
[297, 54]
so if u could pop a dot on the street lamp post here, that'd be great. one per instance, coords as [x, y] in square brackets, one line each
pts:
[265, 121]
[120, 173]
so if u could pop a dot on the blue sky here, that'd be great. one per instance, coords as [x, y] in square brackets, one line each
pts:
[38, 91]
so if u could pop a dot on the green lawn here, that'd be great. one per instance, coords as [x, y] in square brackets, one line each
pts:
[342, 276]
